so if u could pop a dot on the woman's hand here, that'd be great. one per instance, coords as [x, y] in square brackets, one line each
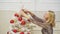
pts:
[26, 11]
[23, 13]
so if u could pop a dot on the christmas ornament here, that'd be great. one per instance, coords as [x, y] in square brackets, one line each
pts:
[23, 22]
[20, 18]
[11, 21]
[16, 15]
[14, 30]
[21, 32]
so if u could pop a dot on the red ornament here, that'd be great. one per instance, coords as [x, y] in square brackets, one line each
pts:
[11, 21]
[20, 18]
[14, 30]
[16, 15]
[28, 20]
[21, 32]
[23, 22]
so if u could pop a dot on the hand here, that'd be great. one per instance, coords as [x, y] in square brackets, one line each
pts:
[24, 14]
[25, 11]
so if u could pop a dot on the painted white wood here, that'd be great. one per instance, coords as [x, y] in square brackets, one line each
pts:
[16, 0]
[35, 5]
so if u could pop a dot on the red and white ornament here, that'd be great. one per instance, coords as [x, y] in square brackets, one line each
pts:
[21, 32]
[16, 14]
[19, 18]
[11, 21]
[14, 30]
[23, 22]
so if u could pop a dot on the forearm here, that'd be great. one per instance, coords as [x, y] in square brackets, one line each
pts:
[31, 13]
[39, 23]
[36, 18]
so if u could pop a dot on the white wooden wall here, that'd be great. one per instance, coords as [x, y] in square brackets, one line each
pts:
[39, 7]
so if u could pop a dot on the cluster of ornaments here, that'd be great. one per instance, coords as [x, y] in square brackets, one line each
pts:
[20, 25]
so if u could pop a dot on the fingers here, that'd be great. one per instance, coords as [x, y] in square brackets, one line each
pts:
[25, 15]
[26, 11]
